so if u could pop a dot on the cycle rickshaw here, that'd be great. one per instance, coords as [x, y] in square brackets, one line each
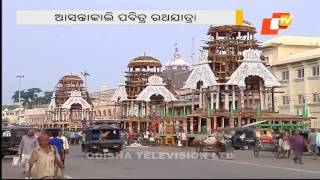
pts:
[265, 141]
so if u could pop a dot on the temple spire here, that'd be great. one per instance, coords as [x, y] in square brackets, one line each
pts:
[176, 54]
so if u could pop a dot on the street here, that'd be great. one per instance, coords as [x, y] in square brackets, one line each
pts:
[149, 165]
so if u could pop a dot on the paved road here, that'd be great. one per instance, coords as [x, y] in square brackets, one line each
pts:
[178, 163]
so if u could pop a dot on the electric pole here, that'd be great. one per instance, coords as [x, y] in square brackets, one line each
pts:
[19, 79]
[193, 49]
[85, 74]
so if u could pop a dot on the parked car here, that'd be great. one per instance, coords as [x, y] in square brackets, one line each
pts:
[11, 138]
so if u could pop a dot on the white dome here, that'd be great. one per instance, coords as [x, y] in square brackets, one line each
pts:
[103, 87]
[177, 61]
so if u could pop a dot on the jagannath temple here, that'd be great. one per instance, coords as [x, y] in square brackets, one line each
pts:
[230, 86]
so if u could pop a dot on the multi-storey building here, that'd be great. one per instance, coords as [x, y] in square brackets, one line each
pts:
[295, 61]
[10, 114]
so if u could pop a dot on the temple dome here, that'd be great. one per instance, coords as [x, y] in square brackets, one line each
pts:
[177, 62]
[103, 87]
[70, 78]
[144, 61]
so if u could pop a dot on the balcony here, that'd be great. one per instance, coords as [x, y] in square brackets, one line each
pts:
[299, 79]
[284, 81]
[286, 106]
[314, 77]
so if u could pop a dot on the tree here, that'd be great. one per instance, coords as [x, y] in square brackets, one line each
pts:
[32, 97]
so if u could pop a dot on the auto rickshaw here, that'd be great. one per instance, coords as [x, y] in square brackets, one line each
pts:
[102, 138]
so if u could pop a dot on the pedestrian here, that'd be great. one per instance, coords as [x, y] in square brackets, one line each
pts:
[27, 144]
[184, 138]
[286, 144]
[312, 139]
[77, 137]
[83, 136]
[58, 143]
[318, 141]
[140, 137]
[72, 137]
[179, 138]
[124, 137]
[65, 146]
[146, 136]
[45, 162]
[297, 143]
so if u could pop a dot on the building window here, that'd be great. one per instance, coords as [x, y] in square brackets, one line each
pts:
[300, 73]
[301, 99]
[285, 75]
[316, 96]
[315, 70]
[285, 100]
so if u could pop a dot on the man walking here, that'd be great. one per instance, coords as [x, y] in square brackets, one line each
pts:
[297, 142]
[44, 161]
[286, 144]
[27, 144]
[58, 143]
[72, 137]
[318, 141]
[146, 137]
[312, 139]
[65, 145]
[184, 139]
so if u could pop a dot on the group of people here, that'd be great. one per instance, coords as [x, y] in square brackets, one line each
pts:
[297, 144]
[182, 137]
[146, 137]
[75, 137]
[43, 156]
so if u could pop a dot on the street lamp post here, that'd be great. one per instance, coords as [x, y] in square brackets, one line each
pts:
[19, 79]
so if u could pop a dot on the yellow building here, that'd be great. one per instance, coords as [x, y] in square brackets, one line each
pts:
[295, 61]
[10, 114]
[37, 117]
[103, 107]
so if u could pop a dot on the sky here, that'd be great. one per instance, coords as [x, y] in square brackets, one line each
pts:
[45, 53]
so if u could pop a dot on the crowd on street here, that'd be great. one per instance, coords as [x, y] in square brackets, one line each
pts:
[43, 155]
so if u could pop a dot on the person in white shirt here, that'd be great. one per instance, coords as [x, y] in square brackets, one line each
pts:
[146, 136]
[184, 139]
[27, 144]
[65, 145]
